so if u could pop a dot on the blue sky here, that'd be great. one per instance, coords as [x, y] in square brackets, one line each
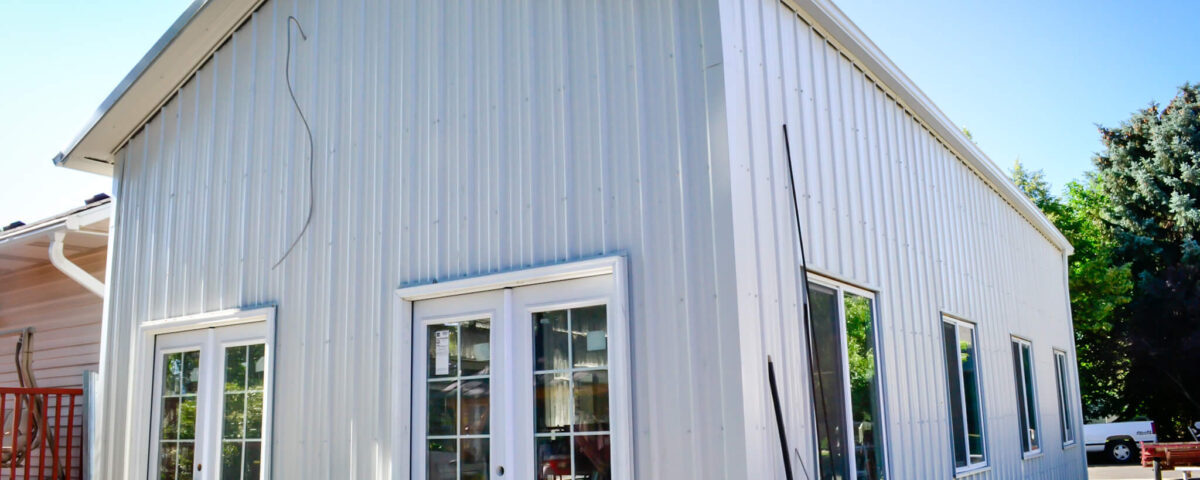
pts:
[1029, 79]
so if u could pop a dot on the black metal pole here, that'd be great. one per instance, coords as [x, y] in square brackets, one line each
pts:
[783, 443]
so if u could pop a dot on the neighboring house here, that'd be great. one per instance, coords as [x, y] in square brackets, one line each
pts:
[556, 240]
[51, 280]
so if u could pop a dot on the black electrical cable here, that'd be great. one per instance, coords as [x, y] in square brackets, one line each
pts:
[312, 183]
[812, 357]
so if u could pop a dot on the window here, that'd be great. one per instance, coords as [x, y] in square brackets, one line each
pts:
[1026, 396]
[846, 386]
[965, 399]
[1066, 415]
[530, 381]
[210, 399]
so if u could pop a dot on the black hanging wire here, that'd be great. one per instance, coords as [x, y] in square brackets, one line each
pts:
[312, 182]
[812, 357]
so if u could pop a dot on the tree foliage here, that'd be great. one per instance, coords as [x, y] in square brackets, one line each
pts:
[1149, 172]
[1099, 287]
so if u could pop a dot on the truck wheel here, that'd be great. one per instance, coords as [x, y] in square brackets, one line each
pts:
[1121, 451]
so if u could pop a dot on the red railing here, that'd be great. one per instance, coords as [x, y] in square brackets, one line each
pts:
[38, 438]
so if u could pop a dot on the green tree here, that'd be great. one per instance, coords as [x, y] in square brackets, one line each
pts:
[1150, 173]
[1099, 287]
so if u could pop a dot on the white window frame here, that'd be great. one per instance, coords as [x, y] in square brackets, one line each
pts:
[842, 288]
[1020, 375]
[144, 360]
[620, 375]
[969, 468]
[1066, 414]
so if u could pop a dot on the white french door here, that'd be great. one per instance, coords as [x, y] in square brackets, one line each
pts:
[515, 383]
[209, 412]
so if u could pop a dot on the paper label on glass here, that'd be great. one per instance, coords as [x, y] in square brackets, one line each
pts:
[597, 340]
[441, 352]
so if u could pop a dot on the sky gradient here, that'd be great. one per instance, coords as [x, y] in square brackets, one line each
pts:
[1030, 79]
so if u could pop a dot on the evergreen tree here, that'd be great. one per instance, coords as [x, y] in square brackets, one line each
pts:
[1150, 174]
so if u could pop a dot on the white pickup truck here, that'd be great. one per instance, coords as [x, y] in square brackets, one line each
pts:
[1119, 440]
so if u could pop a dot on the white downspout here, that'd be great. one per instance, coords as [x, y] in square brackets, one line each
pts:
[71, 270]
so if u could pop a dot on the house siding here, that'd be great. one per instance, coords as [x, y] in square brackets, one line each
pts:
[452, 139]
[886, 206]
[66, 340]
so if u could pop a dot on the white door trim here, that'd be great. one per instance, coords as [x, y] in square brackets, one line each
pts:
[142, 358]
[620, 355]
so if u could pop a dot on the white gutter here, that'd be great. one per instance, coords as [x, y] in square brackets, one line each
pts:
[74, 223]
[70, 269]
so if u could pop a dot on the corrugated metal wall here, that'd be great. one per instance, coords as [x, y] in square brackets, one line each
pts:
[887, 207]
[453, 139]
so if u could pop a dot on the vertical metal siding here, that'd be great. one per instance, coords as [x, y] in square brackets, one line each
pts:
[886, 206]
[452, 139]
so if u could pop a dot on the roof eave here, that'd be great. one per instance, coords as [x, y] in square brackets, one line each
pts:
[185, 46]
[850, 37]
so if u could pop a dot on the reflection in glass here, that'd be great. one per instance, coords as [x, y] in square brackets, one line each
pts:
[441, 459]
[552, 399]
[550, 341]
[475, 407]
[828, 383]
[954, 384]
[443, 407]
[970, 364]
[458, 400]
[865, 405]
[593, 455]
[553, 457]
[242, 412]
[177, 414]
[571, 416]
[589, 337]
[475, 453]
[591, 401]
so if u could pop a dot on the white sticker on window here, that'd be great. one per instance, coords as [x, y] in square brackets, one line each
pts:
[441, 352]
[597, 340]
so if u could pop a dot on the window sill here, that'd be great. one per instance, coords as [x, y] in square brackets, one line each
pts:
[1032, 455]
[1067, 446]
[972, 471]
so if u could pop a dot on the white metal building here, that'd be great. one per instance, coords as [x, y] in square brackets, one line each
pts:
[590, 197]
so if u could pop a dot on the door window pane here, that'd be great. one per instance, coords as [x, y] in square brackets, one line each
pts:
[828, 377]
[458, 400]
[571, 410]
[242, 412]
[177, 414]
[865, 405]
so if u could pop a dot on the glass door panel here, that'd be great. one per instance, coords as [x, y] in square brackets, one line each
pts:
[242, 412]
[179, 387]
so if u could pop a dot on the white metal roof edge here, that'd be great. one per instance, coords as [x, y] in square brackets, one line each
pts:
[183, 48]
[833, 22]
[81, 216]
[205, 25]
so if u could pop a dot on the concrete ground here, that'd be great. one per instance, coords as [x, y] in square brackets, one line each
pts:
[1127, 472]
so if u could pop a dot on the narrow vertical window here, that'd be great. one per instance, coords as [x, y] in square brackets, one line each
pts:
[242, 420]
[965, 399]
[1065, 407]
[1022, 353]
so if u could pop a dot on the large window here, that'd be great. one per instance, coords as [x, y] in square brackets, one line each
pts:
[210, 403]
[846, 384]
[523, 382]
[965, 399]
[1027, 413]
[1066, 416]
